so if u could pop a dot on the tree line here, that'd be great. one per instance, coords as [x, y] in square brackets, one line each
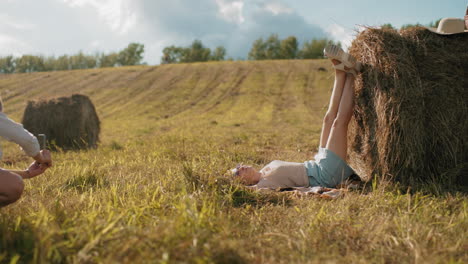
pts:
[433, 24]
[196, 52]
[272, 48]
[131, 55]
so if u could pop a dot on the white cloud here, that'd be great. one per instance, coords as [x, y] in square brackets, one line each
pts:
[12, 22]
[154, 50]
[77, 3]
[231, 10]
[95, 44]
[234, 24]
[117, 14]
[341, 34]
[277, 8]
[12, 46]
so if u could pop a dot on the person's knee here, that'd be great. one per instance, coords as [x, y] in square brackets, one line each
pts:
[341, 121]
[14, 191]
[329, 118]
[17, 190]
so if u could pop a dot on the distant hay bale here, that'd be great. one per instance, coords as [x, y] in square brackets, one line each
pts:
[410, 120]
[69, 123]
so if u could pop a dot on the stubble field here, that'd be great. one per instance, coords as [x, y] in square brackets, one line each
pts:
[155, 191]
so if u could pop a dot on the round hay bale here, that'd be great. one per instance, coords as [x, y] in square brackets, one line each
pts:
[411, 103]
[70, 123]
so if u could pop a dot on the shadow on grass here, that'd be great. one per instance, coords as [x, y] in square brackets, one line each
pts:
[86, 180]
[241, 196]
[230, 191]
[16, 242]
[227, 256]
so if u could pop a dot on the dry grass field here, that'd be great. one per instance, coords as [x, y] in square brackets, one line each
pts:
[154, 190]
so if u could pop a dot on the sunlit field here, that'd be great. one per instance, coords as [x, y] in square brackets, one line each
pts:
[156, 191]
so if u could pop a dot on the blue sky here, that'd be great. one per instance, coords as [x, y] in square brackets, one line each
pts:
[57, 27]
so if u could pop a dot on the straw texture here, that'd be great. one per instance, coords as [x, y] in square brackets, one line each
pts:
[410, 121]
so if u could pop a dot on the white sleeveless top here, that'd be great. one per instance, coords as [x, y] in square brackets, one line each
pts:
[283, 174]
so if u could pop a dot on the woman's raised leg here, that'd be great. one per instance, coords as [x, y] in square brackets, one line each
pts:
[337, 139]
[340, 77]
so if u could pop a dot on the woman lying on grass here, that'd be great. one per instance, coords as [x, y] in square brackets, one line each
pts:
[329, 167]
[11, 181]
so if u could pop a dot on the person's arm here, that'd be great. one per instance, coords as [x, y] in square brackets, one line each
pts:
[32, 171]
[15, 132]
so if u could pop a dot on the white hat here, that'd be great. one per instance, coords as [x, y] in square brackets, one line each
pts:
[449, 26]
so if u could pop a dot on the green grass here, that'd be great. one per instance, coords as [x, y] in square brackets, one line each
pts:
[154, 191]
